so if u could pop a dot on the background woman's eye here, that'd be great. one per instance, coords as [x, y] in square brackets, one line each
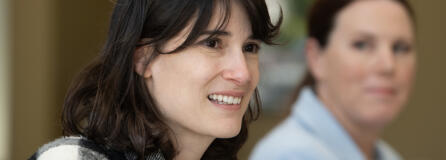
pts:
[401, 47]
[361, 45]
[252, 48]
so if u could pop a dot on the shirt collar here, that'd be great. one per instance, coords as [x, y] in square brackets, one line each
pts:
[319, 121]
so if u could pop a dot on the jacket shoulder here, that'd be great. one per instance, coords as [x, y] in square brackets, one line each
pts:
[290, 140]
[69, 148]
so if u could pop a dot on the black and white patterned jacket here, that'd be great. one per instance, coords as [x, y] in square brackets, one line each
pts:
[79, 148]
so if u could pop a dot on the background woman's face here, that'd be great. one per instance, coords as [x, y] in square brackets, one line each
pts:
[368, 66]
[205, 89]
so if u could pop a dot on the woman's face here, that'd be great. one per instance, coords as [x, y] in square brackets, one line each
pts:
[365, 72]
[205, 89]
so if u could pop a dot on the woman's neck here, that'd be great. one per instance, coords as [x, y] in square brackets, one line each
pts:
[363, 136]
[190, 146]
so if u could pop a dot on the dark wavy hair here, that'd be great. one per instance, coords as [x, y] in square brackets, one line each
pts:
[109, 103]
[321, 19]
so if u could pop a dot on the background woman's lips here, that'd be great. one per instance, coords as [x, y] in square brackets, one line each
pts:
[389, 91]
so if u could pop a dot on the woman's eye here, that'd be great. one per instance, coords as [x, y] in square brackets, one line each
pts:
[251, 48]
[361, 45]
[401, 47]
[212, 43]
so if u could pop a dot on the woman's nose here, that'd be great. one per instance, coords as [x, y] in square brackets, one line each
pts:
[386, 61]
[236, 68]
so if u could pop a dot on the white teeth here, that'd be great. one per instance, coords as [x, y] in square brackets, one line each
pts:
[231, 100]
[222, 99]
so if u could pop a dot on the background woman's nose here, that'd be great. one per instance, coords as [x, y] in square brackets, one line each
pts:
[386, 61]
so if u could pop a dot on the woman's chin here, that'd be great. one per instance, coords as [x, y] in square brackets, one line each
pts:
[380, 118]
[227, 132]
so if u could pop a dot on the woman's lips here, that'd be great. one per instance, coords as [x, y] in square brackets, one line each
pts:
[230, 107]
[383, 91]
[228, 100]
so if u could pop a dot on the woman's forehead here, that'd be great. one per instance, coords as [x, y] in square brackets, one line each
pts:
[375, 17]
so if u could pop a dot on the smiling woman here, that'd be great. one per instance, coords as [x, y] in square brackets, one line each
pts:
[176, 80]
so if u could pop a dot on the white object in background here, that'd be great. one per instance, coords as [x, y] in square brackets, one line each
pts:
[5, 68]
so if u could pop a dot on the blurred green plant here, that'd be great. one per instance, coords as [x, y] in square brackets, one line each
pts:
[294, 25]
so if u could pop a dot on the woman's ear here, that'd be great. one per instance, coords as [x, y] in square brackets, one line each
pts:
[314, 56]
[140, 60]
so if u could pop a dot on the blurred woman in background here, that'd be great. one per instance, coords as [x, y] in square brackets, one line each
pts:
[361, 65]
[174, 81]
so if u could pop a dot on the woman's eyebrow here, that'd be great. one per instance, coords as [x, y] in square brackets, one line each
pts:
[224, 33]
[252, 37]
[215, 32]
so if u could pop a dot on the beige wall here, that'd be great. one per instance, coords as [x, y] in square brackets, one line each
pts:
[52, 40]
[33, 76]
[420, 131]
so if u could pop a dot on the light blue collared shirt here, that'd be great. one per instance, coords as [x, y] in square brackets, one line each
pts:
[311, 132]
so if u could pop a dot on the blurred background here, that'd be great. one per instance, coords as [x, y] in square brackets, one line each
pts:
[45, 43]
